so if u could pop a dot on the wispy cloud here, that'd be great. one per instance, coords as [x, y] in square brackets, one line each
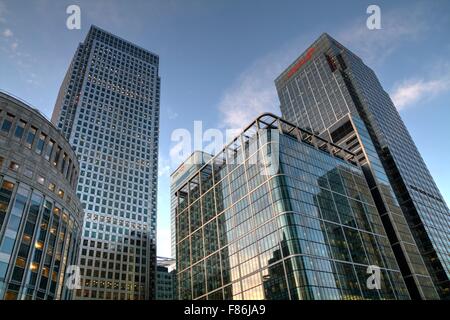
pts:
[412, 91]
[253, 92]
[14, 45]
[171, 114]
[163, 167]
[397, 26]
[7, 33]
[11, 46]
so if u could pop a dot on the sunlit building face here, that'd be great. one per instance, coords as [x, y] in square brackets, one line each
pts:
[309, 230]
[331, 91]
[108, 108]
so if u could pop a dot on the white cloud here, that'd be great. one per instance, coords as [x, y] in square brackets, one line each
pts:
[410, 92]
[7, 33]
[254, 92]
[163, 167]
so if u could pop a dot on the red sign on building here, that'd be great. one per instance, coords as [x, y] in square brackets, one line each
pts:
[301, 62]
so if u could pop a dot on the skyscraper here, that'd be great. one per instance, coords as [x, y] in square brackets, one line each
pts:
[329, 90]
[279, 213]
[108, 108]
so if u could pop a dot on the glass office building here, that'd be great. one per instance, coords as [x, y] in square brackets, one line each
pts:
[280, 213]
[329, 90]
[165, 279]
[108, 108]
[40, 214]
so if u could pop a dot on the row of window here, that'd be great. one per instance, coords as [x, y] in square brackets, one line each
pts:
[120, 46]
[28, 172]
[42, 144]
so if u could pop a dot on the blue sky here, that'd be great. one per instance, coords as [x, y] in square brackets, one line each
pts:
[218, 60]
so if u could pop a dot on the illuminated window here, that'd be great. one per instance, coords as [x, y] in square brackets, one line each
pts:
[26, 239]
[8, 185]
[20, 262]
[40, 179]
[61, 193]
[51, 187]
[34, 266]
[57, 156]
[45, 272]
[39, 244]
[56, 211]
[13, 166]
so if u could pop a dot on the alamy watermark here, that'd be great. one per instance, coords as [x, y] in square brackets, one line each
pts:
[373, 22]
[73, 21]
[73, 279]
[374, 280]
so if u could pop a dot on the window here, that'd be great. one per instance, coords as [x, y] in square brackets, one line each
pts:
[57, 156]
[28, 173]
[5, 197]
[39, 245]
[61, 193]
[3, 268]
[7, 245]
[34, 266]
[7, 123]
[9, 186]
[51, 187]
[30, 137]
[20, 262]
[14, 166]
[40, 179]
[20, 128]
[41, 143]
[63, 164]
[49, 151]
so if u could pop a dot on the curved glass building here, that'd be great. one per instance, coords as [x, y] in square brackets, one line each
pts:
[40, 214]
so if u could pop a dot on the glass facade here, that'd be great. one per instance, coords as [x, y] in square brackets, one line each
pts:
[40, 226]
[38, 243]
[108, 108]
[307, 230]
[165, 283]
[332, 83]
